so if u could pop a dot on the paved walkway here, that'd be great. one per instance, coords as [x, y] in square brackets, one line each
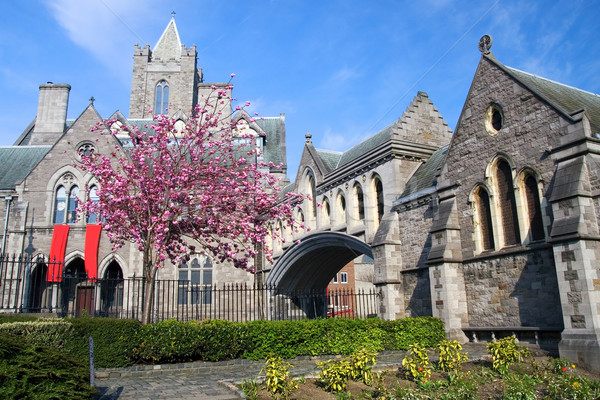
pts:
[214, 380]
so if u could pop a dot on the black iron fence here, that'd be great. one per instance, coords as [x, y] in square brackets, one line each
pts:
[41, 286]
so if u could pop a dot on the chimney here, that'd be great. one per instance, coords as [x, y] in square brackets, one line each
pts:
[51, 113]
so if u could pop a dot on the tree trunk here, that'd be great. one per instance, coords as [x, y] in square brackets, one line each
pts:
[149, 286]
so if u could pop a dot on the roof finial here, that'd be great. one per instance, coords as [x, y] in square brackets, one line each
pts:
[92, 100]
[308, 136]
[173, 14]
[485, 43]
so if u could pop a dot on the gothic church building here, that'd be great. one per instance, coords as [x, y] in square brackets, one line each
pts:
[40, 186]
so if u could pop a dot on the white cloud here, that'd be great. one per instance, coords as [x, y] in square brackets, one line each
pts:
[345, 74]
[336, 141]
[100, 26]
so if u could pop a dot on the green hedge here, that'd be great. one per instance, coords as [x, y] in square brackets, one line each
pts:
[114, 339]
[120, 343]
[173, 341]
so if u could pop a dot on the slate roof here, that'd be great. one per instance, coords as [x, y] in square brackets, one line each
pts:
[330, 158]
[425, 176]
[365, 146]
[16, 162]
[272, 150]
[563, 97]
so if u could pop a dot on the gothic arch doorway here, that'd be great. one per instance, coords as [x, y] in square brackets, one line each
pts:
[38, 288]
[111, 291]
[76, 297]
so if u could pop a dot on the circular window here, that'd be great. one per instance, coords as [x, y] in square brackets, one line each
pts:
[494, 120]
[86, 149]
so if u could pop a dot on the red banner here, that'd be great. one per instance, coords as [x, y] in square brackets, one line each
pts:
[92, 239]
[57, 252]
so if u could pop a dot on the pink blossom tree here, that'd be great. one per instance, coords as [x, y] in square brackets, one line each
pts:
[175, 191]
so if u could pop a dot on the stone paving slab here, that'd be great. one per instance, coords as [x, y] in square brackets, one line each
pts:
[214, 380]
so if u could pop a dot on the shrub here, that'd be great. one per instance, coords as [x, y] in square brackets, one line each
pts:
[52, 333]
[278, 380]
[416, 362]
[506, 351]
[361, 364]
[451, 356]
[29, 371]
[167, 341]
[114, 340]
[334, 374]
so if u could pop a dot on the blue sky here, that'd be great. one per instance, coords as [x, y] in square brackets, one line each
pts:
[341, 70]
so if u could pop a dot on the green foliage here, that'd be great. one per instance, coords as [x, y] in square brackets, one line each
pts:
[336, 336]
[172, 341]
[519, 387]
[120, 343]
[462, 386]
[114, 340]
[427, 331]
[334, 374]
[572, 387]
[49, 332]
[250, 388]
[506, 351]
[9, 318]
[562, 365]
[361, 364]
[416, 362]
[278, 379]
[451, 356]
[29, 371]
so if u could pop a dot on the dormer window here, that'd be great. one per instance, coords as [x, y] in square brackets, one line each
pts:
[162, 97]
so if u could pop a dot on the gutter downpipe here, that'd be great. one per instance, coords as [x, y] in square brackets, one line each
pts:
[8, 200]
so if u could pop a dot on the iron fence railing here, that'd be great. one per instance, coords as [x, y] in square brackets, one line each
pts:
[39, 285]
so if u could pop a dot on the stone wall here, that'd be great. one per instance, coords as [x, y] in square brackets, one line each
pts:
[513, 290]
[417, 292]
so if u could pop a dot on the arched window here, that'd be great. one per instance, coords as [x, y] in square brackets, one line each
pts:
[92, 217]
[534, 212]
[279, 236]
[359, 200]
[299, 222]
[313, 191]
[162, 97]
[269, 239]
[379, 198]
[72, 205]
[340, 213]
[326, 212]
[60, 205]
[484, 216]
[195, 280]
[508, 208]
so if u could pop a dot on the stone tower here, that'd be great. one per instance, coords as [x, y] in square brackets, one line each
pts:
[164, 77]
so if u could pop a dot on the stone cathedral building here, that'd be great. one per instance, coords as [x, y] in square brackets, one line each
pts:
[39, 184]
[494, 228]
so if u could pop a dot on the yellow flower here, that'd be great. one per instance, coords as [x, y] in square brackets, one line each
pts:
[573, 366]
[576, 384]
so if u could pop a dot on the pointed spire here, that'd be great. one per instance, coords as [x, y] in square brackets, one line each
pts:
[168, 46]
